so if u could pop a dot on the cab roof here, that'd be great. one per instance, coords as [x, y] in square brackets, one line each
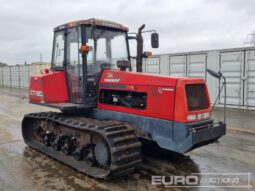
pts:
[97, 22]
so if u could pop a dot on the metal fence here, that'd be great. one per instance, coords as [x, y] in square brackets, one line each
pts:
[18, 76]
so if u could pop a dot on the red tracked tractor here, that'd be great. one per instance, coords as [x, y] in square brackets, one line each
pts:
[106, 109]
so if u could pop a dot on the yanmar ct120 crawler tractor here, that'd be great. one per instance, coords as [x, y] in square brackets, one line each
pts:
[106, 109]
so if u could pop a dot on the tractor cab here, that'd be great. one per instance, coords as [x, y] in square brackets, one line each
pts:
[83, 49]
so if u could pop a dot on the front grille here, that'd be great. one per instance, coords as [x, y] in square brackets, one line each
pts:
[196, 96]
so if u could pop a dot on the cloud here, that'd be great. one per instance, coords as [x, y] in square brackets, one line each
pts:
[26, 27]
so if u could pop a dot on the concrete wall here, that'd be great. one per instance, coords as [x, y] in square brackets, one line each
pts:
[18, 76]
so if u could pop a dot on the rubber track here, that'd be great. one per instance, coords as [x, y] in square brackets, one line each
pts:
[124, 145]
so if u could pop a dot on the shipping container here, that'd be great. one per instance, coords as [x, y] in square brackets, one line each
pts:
[236, 64]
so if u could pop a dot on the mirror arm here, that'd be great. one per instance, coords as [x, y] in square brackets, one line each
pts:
[149, 31]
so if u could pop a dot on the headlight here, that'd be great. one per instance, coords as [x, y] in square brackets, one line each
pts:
[192, 117]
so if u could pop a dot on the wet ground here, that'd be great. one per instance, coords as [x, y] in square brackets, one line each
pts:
[22, 168]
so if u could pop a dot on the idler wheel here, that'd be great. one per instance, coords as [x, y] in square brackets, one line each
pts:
[102, 154]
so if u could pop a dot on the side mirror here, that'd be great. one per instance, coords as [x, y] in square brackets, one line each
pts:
[154, 40]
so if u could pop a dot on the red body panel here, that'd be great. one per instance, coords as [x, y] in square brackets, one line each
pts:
[166, 96]
[49, 87]
[181, 104]
[133, 78]
[159, 103]
[160, 92]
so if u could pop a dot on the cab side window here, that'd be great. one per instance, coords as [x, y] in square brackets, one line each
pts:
[74, 58]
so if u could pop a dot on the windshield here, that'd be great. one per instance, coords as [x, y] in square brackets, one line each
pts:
[106, 48]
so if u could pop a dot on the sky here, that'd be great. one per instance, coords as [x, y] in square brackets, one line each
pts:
[26, 26]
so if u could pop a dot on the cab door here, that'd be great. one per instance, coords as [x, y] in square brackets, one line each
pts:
[74, 71]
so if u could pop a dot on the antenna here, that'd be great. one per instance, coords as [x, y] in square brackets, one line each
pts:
[251, 39]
